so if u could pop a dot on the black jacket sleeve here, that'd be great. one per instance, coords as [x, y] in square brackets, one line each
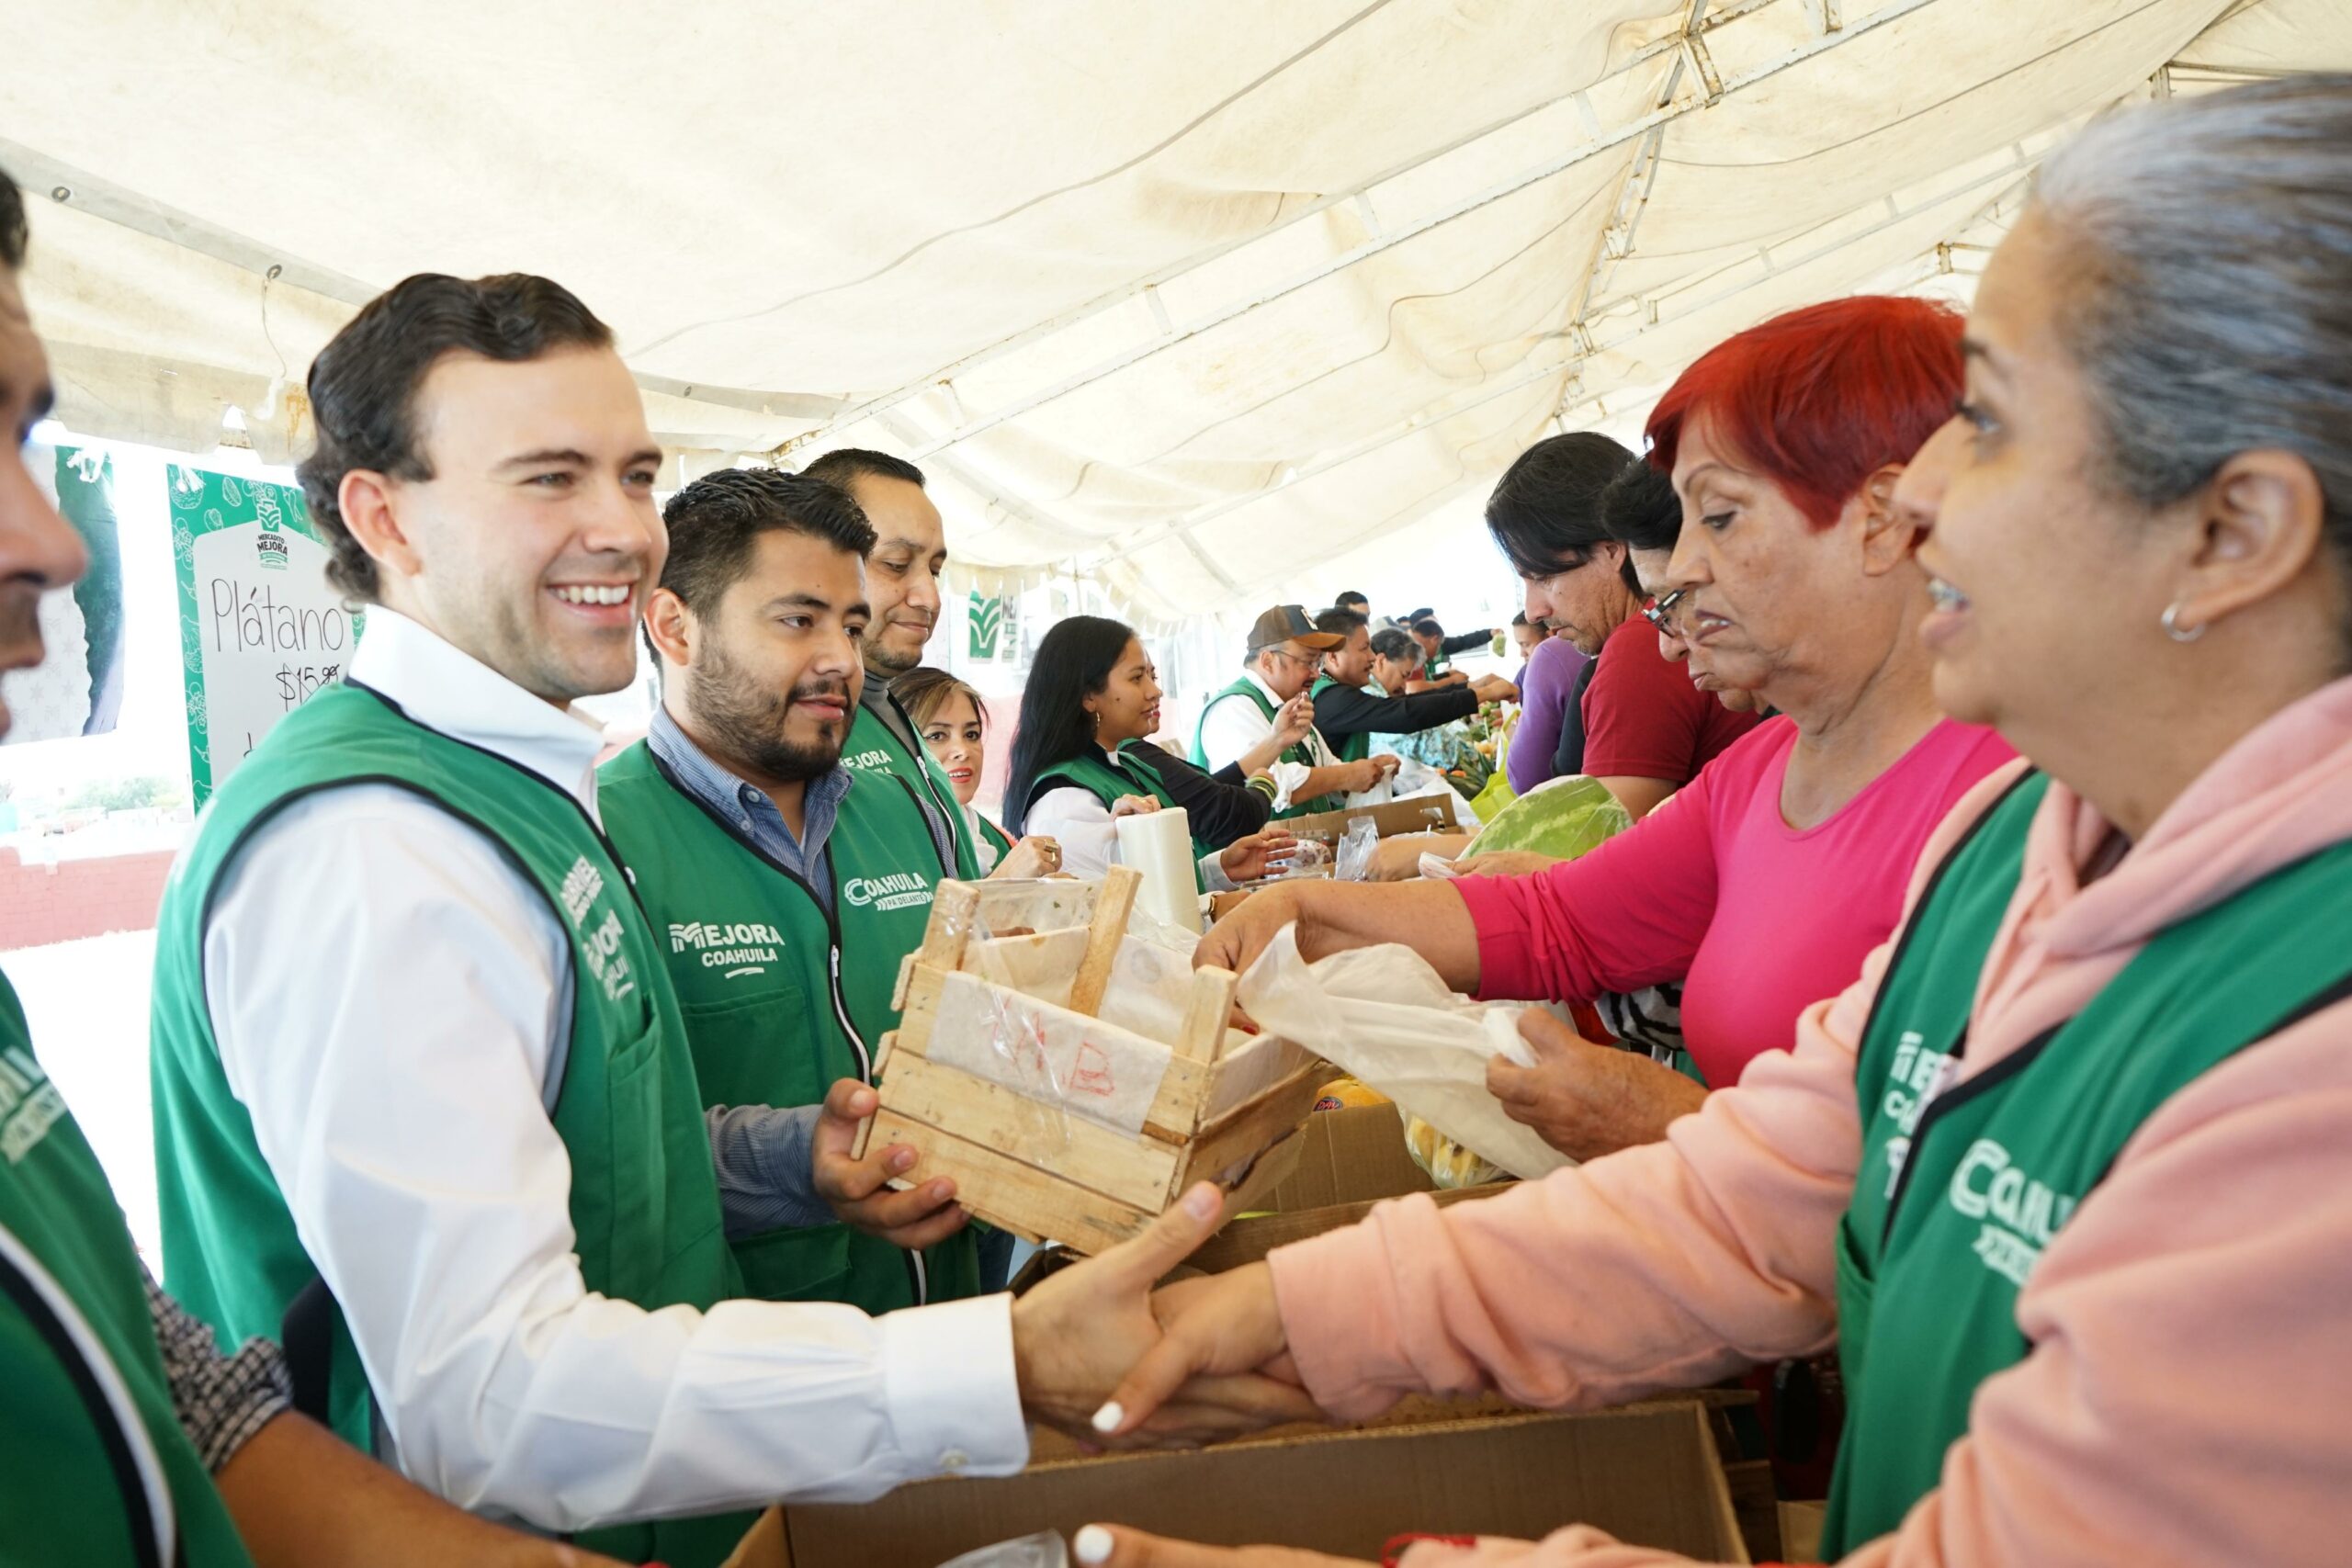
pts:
[1218, 812]
[1465, 642]
[1344, 710]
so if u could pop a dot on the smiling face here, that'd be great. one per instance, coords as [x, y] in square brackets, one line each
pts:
[772, 678]
[534, 544]
[38, 550]
[1127, 707]
[903, 571]
[2038, 576]
[958, 743]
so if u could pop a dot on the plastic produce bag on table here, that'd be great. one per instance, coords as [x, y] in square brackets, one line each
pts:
[1354, 860]
[1386, 1018]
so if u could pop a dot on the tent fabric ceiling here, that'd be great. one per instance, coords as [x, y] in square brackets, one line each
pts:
[1192, 298]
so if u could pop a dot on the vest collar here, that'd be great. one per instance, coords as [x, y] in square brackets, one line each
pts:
[445, 689]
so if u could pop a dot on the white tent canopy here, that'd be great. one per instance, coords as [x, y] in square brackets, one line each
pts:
[1207, 302]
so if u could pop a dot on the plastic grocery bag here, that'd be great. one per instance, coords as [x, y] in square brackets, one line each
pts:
[1387, 1017]
[1044, 1549]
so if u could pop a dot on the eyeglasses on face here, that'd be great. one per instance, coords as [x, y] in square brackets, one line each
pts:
[1666, 613]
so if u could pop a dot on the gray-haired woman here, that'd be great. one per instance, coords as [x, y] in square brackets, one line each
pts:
[2066, 1175]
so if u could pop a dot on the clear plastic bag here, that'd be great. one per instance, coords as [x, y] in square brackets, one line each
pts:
[1354, 860]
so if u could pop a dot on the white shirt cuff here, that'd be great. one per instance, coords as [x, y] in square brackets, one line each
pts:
[947, 1372]
[1287, 777]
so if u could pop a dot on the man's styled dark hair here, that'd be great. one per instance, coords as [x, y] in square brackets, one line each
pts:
[363, 384]
[1352, 600]
[1339, 621]
[845, 464]
[1519, 618]
[1546, 512]
[1639, 507]
[1426, 627]
[715, 522]
[14, 235]
[1390, 643]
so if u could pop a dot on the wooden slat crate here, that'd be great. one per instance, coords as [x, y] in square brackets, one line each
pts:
[1017, 1067]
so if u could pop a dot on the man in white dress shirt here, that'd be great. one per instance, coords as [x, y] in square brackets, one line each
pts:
[1241, 724]
[416, 1054]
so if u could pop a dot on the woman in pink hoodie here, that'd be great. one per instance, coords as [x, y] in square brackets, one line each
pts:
[2066, 1174]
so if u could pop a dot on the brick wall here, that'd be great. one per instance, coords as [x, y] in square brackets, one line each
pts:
[41, 904]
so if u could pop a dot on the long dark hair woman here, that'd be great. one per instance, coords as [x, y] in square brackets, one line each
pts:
[1082, 758]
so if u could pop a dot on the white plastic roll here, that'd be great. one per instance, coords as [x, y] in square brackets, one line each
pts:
[1159, 845]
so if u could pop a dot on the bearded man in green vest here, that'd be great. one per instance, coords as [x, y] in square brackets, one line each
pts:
[1265, 722]
[790, 886]
[130, 1437]
[420, 1071]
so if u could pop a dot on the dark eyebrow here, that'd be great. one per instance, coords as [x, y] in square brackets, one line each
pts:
[547, 457]
[38, 406]
[808, 600]
[1983, 352]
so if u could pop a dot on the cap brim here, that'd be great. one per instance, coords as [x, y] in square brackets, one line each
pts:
[1321, 642]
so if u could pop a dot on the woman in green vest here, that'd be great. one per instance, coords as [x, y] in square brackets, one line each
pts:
[2066, 1175]
[951, 720]
[1082, 757]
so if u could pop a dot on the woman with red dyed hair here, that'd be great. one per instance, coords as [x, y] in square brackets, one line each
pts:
[1762, 885]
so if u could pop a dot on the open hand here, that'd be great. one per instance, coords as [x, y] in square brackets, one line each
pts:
[1495, 689]
[1078, 1331]
[858, 1190]
[1588, 1101]
[1133, 805]
[1265, 851]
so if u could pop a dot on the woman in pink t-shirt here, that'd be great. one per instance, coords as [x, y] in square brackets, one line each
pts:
[1760, 886]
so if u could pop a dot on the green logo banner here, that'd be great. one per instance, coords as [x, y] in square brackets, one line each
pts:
[987, 618]
[260, 628]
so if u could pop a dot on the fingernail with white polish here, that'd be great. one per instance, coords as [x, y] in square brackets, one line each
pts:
[1107, 1419]
[1091, 1544]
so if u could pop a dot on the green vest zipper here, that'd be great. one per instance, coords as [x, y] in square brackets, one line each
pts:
[1961, 1189]
[873, 745]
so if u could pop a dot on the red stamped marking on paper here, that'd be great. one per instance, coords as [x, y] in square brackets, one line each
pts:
[1094, 1074]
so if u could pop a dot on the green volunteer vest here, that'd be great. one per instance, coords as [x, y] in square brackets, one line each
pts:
[996, 838]
[1300, 754]
[874, 745]
[644, 1198]
[1348, 748]
[1090, 773]
[94, 1470]
[1959, 1191]
[779, 999]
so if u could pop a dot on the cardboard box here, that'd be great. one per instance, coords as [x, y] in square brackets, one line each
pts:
[1348, 1155]
[1650, 1474]
[1249, 1240]
[1418, 813]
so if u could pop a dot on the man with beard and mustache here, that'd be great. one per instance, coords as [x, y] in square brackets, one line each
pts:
[791, 887]
[902, 583]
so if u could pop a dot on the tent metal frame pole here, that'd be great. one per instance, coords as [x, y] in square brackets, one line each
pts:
[2021, 162]
[1816, 47]
[1146, 286]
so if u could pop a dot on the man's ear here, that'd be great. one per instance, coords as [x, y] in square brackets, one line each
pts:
[1889, 535]
[368, 502]
[670, 626]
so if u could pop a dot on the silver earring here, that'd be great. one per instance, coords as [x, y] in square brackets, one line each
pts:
[2172, 624]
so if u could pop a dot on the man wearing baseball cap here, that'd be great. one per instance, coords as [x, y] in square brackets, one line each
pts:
[1264, 721]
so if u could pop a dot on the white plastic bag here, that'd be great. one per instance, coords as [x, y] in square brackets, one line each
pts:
[1387, 1018]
